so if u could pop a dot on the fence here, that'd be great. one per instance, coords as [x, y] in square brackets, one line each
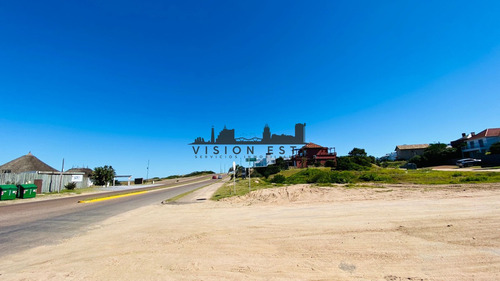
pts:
[50, 182]
[490, 160]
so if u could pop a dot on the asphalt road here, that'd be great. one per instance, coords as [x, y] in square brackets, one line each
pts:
[28, 225]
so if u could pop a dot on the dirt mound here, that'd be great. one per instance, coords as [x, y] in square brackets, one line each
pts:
[287, 194]
[306, 193]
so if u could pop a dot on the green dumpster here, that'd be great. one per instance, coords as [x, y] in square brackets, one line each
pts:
[8, 192]
[26, 191]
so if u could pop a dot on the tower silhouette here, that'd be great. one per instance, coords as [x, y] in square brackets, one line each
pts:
[300, 134]
[266, 135]
[212, 140]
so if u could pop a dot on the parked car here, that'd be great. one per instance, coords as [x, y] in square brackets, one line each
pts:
[214, 177]
[219, 177]
[467, 162]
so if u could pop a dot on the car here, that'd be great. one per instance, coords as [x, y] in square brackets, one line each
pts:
[214, 177]
[219, 177]
[467, 162]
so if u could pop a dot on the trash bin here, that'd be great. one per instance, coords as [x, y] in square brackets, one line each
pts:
[26, 191]
[8, 192]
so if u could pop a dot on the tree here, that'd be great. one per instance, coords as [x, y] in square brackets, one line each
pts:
[281, 163]
[103, 175]
[348, 163]
[495, 148]
[435, 154]
[358, 152]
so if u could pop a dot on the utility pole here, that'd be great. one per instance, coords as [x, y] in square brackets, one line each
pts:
[234, 177]
[249, 188]
[61, 177]
[147, 172]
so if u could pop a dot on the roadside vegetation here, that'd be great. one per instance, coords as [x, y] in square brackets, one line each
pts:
[327, 177]
[357, 169]
[196, 173]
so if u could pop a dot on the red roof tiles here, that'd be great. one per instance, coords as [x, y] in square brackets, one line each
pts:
[493, 132]
[312, 145]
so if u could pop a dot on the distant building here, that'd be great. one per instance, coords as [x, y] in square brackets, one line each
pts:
[268, 160]
[461, 142]
[478, 145]
[311, 154]
[30, 169]
[406, 152]
[86, 171]
[389, 157]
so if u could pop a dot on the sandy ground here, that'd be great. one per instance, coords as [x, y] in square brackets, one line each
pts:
[289, 233]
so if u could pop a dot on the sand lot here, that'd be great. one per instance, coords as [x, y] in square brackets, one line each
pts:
[288, 233]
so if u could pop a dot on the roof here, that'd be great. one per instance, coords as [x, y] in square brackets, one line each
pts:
[312, 145]
[86, 171]
[26, 163]
[493, 132]
[411, 146]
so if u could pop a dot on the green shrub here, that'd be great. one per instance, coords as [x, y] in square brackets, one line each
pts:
[330, 163]
[495, 148]
[341, 177]
[278, 179]
[267, 171]
[391, 164]
[370, 177]
[256, 174]
[474, 178]
[350, 163]
[70, 186]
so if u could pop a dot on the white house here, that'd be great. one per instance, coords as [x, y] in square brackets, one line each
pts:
[479, 144]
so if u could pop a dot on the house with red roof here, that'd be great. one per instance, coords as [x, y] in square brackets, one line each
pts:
[311, 154]
[478, 144]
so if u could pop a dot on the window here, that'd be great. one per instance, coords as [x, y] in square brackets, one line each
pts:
[481, 143]
[471, 144]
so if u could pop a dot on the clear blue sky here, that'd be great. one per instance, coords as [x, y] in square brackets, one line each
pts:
[123, 82]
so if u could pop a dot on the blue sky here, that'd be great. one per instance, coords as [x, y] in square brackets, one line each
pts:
[123, 82]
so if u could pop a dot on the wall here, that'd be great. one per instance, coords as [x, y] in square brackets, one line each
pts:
[51, 183]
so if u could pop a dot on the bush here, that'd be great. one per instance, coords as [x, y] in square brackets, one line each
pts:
[341, 177]
[417, 160]
[391, 164]
[267, 171]
[474, 178]
[495, 148]
[278, 179]
[348, 163]
[256, 174]
[70, 186]
[103, 175]
[320, 176]
[435, 154]
[330, 163]
[369, 177]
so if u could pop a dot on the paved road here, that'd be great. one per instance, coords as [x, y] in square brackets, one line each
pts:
[38, 223]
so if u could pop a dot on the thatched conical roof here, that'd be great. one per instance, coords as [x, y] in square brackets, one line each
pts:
[26, 163]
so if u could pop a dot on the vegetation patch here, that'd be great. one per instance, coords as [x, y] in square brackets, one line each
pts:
[193, 174]
[357, 179]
